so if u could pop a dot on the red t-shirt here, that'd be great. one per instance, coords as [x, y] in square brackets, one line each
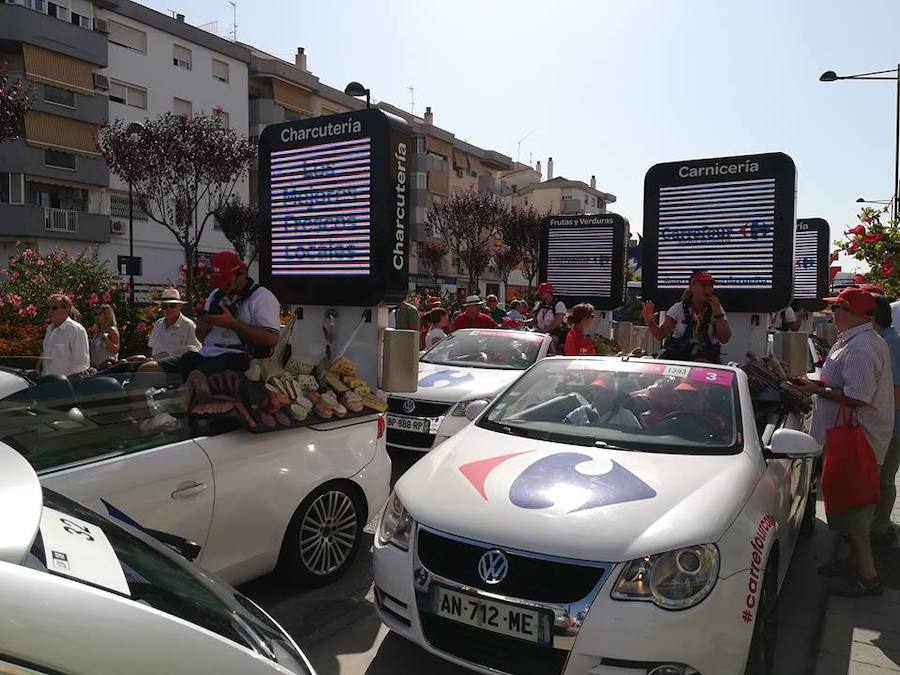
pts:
[481, 321]
[578, 344]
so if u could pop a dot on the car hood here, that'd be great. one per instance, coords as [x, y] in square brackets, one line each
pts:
[572, 501]
[452, 383]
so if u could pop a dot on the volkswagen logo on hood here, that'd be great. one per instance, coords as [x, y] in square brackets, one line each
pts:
[409, 407]
[493, 566]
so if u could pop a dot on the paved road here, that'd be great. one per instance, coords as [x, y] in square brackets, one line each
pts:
[337, 628]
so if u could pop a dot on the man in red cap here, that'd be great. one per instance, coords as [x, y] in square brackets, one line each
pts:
[550, 315]
[856, 375]
[241, 320]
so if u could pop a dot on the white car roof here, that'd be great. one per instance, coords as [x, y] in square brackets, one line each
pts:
[21, 501]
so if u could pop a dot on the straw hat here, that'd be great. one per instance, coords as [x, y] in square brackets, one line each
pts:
[170, 296]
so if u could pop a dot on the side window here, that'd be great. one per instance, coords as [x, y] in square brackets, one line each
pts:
[62, 422]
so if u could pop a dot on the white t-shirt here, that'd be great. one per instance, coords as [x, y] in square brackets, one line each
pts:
[778, 323]
[544, 316]
[433, 335]
[173, 340]
[260, 309]
[676, 312]
[895, 315]
[65, 349]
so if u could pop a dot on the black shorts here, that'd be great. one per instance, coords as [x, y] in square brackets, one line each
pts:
[189, 361]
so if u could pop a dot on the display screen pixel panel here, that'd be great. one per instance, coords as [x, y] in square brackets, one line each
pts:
[321, 209]
[811, 262]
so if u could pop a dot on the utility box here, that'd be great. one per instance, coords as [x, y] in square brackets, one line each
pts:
[793, 350]
[401, 361]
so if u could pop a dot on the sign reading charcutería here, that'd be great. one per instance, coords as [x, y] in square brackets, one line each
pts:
[334, 204]
[584, 258]
[732, 216]
[811, 261]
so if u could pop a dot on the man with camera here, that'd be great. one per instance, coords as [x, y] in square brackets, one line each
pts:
[240, 321]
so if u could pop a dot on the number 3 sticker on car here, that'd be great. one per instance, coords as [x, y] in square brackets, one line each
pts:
[80, 550]
[712, 376]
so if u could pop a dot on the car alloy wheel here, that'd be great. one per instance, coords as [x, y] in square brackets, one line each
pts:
[328, 533]
[761, 659]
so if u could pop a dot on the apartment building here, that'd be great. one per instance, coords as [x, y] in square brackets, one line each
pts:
[158, 64]
[559, 196]
[52, 181]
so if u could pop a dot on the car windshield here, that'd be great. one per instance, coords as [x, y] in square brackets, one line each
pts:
[166, 582]
[641, 405]
[503, 349]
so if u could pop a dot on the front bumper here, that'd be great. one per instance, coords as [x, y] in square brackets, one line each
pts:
[594, 636]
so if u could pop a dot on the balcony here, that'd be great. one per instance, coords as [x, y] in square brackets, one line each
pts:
[21, 24]
[39, 222]
[426, 162]
[570, 206]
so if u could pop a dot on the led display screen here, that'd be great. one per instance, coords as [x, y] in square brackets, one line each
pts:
[811, 261]
[731, 216]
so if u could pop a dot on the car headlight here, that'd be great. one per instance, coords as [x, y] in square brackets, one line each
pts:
[459, 410]
[396, 524]
[672, 580]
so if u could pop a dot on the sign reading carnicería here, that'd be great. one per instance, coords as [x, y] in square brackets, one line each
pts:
[731, 216]
[334, 209]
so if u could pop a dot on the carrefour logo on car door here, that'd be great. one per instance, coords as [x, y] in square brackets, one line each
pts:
[556, 481]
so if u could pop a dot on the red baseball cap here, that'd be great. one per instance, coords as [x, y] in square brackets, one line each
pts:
[433, 301]
[686, 386]
[603, 382]
[701, 276]
[511, 324]
[856, 300]
[872, 289]
[545, 288]
[224, 264]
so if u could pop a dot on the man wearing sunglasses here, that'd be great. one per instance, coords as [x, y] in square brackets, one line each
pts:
[65, 350]
[856, 375]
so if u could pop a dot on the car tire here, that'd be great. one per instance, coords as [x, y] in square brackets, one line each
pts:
[324, 535]
[761, 659]
[808, 523]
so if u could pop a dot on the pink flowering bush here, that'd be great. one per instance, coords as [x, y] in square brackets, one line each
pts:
[878, 244]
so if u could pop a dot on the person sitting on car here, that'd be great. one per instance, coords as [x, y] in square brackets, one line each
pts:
[65, 350]
[602, 394]
[692, 400]
[173, 334]
[472, 316]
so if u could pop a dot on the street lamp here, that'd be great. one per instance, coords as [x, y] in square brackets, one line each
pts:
[831, 76]
[355, 89]
[138, 129]
[860, 200]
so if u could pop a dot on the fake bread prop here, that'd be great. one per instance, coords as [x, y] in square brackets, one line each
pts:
[373, 403]
[333, 380]
[352, 401]
[343, 367]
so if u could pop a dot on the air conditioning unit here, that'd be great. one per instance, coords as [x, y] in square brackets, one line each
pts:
[101, 26]
[117, 227]
[101, 82]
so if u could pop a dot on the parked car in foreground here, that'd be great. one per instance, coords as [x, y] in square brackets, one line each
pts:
[84, 594]
[604, 516]
[468, 365]
[297, 498]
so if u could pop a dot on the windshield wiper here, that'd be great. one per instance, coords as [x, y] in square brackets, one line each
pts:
[610, 446]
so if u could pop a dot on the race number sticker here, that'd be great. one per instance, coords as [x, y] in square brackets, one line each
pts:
[712, 376]
[81, 551]
[677, 371]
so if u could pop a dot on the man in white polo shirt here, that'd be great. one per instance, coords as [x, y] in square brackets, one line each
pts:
[174, 333]
[65, 350]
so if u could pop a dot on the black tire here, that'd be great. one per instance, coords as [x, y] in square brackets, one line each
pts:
[808, 524]
[761, 659]
[324, 535]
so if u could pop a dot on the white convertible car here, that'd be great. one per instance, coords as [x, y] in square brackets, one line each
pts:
[295, 498]
[468, 365]
[605, 516]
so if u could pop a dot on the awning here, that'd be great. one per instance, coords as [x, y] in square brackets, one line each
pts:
[438, 184]
[438, 147]
[60, 133]
[292, 97]
[461, 160]
[57, 69]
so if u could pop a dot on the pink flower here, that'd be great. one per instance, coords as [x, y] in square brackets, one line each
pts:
[107, 297]
[15, 274]
[184, 267]
[14, 300]
[859, 279]
[872, 238]
[22, 312]
[27, 253]
[858, 230]
[39, 262]
[141, 327]
[852, 248]
[31, 310]
[887, 268]
[93, 299]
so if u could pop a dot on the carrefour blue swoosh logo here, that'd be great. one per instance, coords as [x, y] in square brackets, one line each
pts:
[445, 378]
[555, 478]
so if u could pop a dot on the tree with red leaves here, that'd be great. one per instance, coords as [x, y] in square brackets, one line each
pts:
[431, 254]
[521, 232]
[185, 168]
[240, 225]
[506, 259]
[468, 223]
[15, 101]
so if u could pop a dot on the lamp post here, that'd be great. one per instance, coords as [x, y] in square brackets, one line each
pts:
[861, 200]
[831, 76]
[133, 128]
[355, 89]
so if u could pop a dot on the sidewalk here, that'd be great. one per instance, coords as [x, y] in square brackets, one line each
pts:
[862, 636]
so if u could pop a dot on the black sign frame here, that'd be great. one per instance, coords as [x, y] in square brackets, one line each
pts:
[776, 165]
[392, 165]
[616, 298]
[823, 262]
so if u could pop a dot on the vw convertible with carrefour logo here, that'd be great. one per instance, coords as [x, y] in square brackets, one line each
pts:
[468, 365]
[606, 516]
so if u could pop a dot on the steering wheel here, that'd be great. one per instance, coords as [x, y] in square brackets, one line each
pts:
[685, 424]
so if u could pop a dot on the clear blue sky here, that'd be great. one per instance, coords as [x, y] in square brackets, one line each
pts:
[613, 87]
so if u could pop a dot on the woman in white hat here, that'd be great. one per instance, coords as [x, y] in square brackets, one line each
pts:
[173, 334]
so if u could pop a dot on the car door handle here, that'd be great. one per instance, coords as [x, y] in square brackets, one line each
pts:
[189, 490]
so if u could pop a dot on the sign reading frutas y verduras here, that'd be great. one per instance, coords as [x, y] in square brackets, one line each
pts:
[811, 260]
[732, 216]
[334, 208]
[584, 258]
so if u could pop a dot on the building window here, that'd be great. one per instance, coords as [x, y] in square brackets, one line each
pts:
[182, 107]
[60, 160]
[220, 71]
[37, 5]
[128, 37]
[460, 173]
[137, 262]
[128, 94]
[291, 115]
[420, 180]
[82, 20]
[181, 57]
[457, 265]
[57, 96]
[12, 188]
[420, 144]
[58, 11]
[118, 207]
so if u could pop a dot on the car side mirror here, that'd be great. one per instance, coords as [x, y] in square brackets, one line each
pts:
[475, 408]
[793, 444]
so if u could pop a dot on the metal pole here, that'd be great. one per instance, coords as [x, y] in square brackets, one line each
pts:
[130, 248]
[897, 152]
